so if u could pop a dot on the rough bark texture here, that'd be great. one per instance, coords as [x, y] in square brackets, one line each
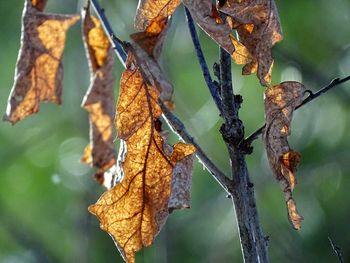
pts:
[253, 242]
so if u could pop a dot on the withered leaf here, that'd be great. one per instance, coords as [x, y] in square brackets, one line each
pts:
[146, 48]
[258, 26]
[134, 210]
[39, 71]
[99, 99]
[280, 102]
[150, 171]
[149, 11]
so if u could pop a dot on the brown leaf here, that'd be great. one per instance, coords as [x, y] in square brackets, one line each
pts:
[134, 210]
[258, 26]
[280, 102]
[146, 48]
[99, 99]
[150, 172]
[39, 70]
[151, 10]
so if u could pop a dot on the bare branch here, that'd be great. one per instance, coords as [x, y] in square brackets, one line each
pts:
[179, 128]
[334, 83]
[206, 74]
[228, 105]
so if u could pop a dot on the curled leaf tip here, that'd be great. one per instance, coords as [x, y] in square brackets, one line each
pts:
[293, 215]
[280, 103]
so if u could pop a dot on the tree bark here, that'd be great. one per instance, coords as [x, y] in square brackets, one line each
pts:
[253, 242]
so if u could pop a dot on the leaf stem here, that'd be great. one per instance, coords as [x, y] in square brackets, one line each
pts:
[334, 83]
[202, 62]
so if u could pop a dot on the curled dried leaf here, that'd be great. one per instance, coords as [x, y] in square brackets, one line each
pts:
[280, 102]
[258, 26]
[146, 48]
[39, 70]
[149, 11]
[150, 172]
[99, 99]
[134, 210]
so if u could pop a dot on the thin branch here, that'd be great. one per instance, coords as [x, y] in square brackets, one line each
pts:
[334, 83]
[336, 250]
[179, 128]
[171, 119]
[206, 74]
[229, 110]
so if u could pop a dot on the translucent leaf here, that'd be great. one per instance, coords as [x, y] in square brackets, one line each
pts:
[39, 70]
[155, 177]
[99, 99]
[149, 11]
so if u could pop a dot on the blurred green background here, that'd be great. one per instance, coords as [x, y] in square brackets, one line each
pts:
[45, 190]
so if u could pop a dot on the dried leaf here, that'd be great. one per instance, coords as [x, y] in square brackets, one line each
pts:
[150, 171]
[39, 70]
[99, 99]
[146, 48]
[258, 26]
[181, 184]
[280, 102]
[134, 210]
[149, 11]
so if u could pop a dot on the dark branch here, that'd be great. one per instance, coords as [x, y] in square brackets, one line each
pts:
[334, 83]
[179, 128]
[212, 88]
[228, 104]
[253, 241]
[336, 250]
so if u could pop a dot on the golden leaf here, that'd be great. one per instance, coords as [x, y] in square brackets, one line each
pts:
[259, 28]
[154, 177]
[134, 210]
[150, 10]
[99, 99]
[280, 102]
[39, 70]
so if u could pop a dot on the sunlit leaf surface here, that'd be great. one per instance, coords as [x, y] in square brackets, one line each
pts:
[39, 70]
[99, 100]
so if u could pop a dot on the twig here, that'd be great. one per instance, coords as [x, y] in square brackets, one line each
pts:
[179, 128]
[206, 74]
[334, 83]
[171, 119]
[336, 250]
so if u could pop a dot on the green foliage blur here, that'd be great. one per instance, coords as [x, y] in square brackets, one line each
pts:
[45, 190]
